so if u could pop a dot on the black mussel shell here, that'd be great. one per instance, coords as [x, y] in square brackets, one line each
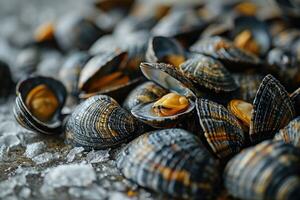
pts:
[99, 123]
[291, 133]
[233, 58]
[171, 161]
[269, 170]
[272, 110]
[6, 82]
[26, 119]
[220, 129]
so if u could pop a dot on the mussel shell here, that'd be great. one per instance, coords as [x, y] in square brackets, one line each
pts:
[258, 29]
[6, 81]
[269, 170]
[103, 43]
[183, 24]
[206, 72]
[144, 113]
[168, 77]
[100, 65]
[99, 122]
[220, 129]
[272, 110]
[160, 47]
[144, 93]
[233, 58]
[248, 84]
[75, 31]
[171, 161]
[25, 118]
[291, 133]
[295, 97]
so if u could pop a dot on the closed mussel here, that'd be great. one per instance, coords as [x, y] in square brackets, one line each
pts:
[272, 110]
[171, 161]
[165, 50]
[232, 57]
[291, 133]
[99, 122]
[220, 129]
[144, 93]
[269, 170]
[39, 103]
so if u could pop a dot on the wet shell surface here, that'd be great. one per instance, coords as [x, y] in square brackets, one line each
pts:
[224, 50]
[291, 133]
[206, 72]
[269, 170]
[272, 110]
[99, 122]
[39, 103]
[171, 161]
[221, 130]
[168, 111]
[144, 93]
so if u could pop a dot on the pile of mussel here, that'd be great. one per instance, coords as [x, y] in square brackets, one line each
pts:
[206, 97]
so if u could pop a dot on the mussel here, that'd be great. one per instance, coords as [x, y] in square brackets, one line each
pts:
[220, 129]
[272, 110]
[39, 103]
[171, 161]
[167, 111]
[291, 133]
[165, 50]
[232, 57]
[75, 31]
[106, 73]
[252, 35]
[100, 122]
[269, 170]
[144, 93]
[6, 81]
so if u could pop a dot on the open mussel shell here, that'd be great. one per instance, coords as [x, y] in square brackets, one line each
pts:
[99, 122]
[183, 24]
[220, 129]
[6, 82]
[295, 97]
[208, 74]
[291, 133]
[169, 77]
[171, 161]
[145, 113]
[272, 110]
[104, 42]
[33, 88]
[269, 170]
[248, 85]
[75, 31]
[232, 57]
[258, 32]
[108, 71]
[161, 49]
[144, 93]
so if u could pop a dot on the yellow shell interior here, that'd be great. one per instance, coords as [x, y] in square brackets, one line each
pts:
[42, 102]
[246, 41]
[170, 104]
[242, 110]
[174, 60]
[105, 82]
[44, 32]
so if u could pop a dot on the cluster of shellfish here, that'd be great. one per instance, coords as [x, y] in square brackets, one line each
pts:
[199, 103]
